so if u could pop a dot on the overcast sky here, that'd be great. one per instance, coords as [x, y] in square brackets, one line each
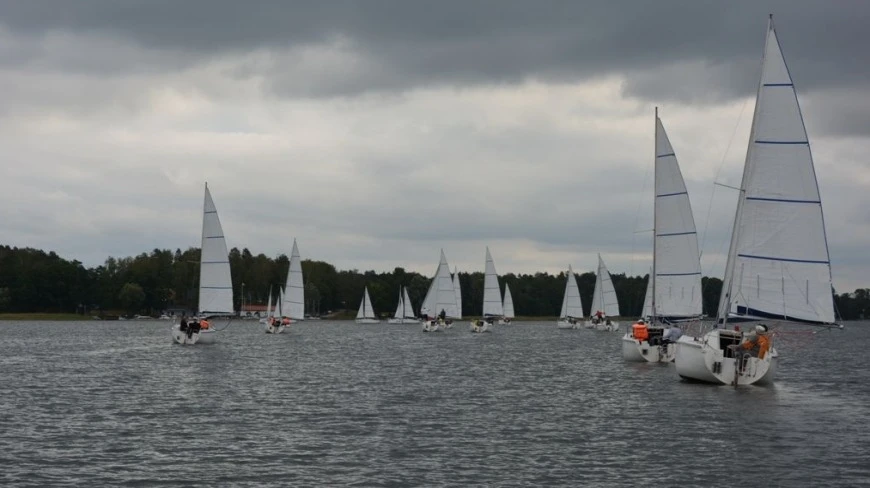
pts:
[377, 133]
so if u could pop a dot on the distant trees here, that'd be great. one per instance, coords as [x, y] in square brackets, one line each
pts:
[32, 280]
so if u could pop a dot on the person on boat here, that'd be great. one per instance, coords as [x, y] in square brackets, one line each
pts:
[203, 324]
[671, 335]
[442, 315]
[193, 327]
[640, 331]
[285, 321]
[182, 326]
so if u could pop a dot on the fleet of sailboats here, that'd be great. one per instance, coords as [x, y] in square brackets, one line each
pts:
[778, 269]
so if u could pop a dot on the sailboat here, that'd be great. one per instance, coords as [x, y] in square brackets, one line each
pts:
[778, 268]
[404, 309]
[572, 306]
[674, 287]
[293, 302]
[441, 297]
[492, 305]
[507, 306]
[603, 300]
[276, 322]
[265, 320]
[458, 291]
[366, 314]
[215, 282]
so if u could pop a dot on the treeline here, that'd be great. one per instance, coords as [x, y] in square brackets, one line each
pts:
[32, 280]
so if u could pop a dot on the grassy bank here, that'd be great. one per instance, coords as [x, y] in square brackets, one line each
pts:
[43, 316]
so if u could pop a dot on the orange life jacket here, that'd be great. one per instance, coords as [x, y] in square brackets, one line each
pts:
[203, 324]
[640, 332]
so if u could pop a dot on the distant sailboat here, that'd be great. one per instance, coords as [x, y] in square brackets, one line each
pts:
[441, 297]
[572, 306]
[277, 322]
[215, 282]
[293, 302]
[778, 267]
[404, 309]
[366, 314]
[604, 301]
[507, 306]
[492, 305]
[674, 288]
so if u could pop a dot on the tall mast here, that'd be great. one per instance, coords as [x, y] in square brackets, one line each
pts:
[655, 216]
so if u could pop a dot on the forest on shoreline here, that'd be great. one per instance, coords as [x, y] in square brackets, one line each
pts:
[32, 280]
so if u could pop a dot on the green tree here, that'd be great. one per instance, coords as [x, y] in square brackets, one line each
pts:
[132, 296]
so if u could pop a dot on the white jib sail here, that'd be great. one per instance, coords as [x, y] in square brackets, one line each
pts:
[409, 307]
[491, 292]
[293, 305]
[604, 297]
[508, 302]
[365, 307]
[572, 306]
[441, 294]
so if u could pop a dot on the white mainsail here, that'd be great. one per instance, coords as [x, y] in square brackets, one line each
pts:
[676, 261]
[572, 306]
[778, 262]
[215, 281]
[441, 294]
[491, 292]
[400, 307]
[604, 297]
[409, 307]
[458, 291]
[365, 307]
[293, 304]
[508, 303]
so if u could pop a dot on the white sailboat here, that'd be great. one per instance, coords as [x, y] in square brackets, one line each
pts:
[603, 300]
[215, 282]
[572, 306]
[507, 306]
[778, 268]
[458, 290]
[366, 314]
[265, 320]
[441, 297]
[492, 305]
[293, 301]
[674, 288]
[404, 309]
[277, 322]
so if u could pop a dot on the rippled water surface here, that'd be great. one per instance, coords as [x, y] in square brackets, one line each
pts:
[334, 403]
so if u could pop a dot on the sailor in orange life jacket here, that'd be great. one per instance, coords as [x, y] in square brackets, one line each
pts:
[757, 343]
[640, 331]
[203, 324]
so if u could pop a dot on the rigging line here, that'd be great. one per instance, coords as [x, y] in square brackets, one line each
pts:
[637, 218]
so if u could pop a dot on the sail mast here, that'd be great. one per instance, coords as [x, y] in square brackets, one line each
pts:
[655, 215]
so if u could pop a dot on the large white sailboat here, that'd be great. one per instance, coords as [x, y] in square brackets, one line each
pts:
[572, 307]
[778, 268]
[441, 297]
[604, 301]
[507, 306]
[492, 306]
[293, 301]
[215, 282]
[674, 288]
[366, 314]
[404, 309]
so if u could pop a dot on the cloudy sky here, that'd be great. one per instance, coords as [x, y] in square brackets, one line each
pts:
[379, 132]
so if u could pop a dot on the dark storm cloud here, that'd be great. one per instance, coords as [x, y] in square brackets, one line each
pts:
[668, 49]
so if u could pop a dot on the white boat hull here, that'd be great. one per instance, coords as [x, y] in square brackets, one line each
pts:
[403, 321]
[564, 324]
[611, 327]
[368, 321]
[482, 327]
[703, 359]
[275, 328]
[505, 321]
[642, 352]
[431, 326]
[182, 337]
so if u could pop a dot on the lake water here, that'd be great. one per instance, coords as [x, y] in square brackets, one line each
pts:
[337, 404]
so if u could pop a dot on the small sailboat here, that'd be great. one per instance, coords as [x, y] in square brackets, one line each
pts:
[269, 314]
[439, 307]
[293, 297]
[366, 314]
[276, 322]
[604, 302]
[215, 282]
[492, 305]
[778, 268]
[674, 288]
[572, 306]
[507, 306]
[404, 309]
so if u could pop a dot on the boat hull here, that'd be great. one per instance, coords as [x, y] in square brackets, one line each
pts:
[275, 328]
[431, 326]
[564, 324]
[182, 337]
[642, 352]
[480, 328]
[704, 359]
[403, 321]
[505, 321]
[611, 327]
